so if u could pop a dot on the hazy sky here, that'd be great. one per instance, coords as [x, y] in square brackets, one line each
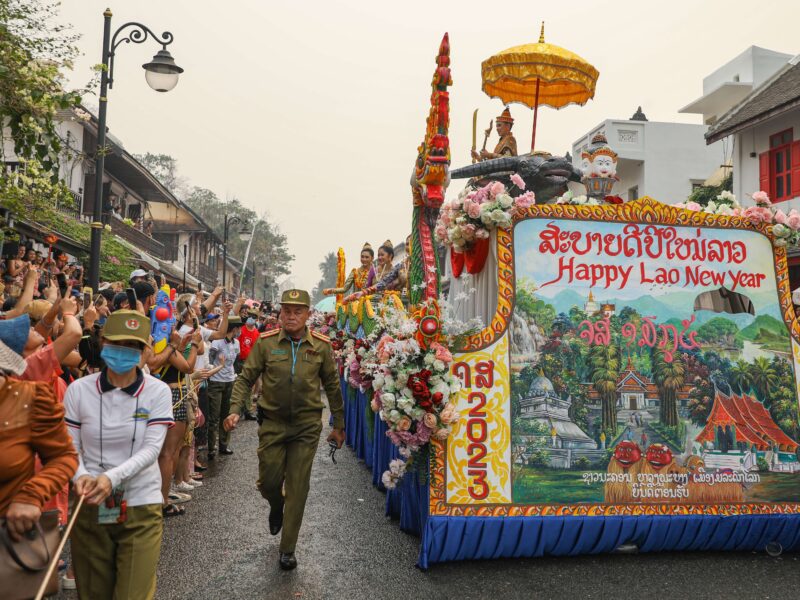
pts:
[312, 111]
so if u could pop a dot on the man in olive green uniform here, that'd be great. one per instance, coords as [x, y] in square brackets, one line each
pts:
[291, 361]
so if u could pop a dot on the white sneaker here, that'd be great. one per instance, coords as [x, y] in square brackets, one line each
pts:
[179, 498]
[67, 583]
[194, 483]
[183, 487]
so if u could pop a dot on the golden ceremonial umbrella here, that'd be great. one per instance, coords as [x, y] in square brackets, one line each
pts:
[539, 75]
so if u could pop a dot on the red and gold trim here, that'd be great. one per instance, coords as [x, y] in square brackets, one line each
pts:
[642, 211]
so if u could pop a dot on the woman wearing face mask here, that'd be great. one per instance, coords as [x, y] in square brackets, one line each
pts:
[118, 419]
[358, 278]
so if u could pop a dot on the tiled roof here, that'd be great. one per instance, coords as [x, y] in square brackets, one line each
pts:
[777, 95]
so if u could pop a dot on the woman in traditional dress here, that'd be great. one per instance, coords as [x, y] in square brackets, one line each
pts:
[358, 278]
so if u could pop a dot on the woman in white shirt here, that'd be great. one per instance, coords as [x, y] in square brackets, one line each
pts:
[118, 420]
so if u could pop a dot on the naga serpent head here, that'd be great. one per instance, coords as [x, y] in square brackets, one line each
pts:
[546, 175]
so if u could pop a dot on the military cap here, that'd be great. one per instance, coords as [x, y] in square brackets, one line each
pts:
[234, 321]
[298, 297]
[127, 325]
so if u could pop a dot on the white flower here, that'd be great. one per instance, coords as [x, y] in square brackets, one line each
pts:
[438, 365]
[407, 393]
[405, 404]
[418, 413]
[394, 416]
[711, 207]
[388, 401]
[505, 200]
[429, 358]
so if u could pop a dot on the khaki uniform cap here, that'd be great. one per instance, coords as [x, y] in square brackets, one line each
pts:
[127, 325]
[298, 297]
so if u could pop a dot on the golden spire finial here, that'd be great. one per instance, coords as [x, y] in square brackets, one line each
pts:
[541, 34]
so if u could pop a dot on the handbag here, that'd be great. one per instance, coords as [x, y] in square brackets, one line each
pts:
[23, 564]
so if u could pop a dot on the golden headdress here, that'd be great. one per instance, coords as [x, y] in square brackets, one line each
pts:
[505, 117]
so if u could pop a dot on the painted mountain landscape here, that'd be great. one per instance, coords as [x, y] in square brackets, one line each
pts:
[650, 393]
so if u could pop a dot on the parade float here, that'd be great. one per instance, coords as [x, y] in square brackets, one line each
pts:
[634, 377]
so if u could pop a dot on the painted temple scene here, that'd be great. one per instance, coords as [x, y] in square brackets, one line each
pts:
[649, 375]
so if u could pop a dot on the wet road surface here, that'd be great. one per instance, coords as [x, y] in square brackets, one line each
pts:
[348, 549]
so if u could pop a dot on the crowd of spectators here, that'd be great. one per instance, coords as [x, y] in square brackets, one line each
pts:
[97, 403]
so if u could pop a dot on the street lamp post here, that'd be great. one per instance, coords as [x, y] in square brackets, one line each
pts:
[161, 74]
[185, 246]
[245, 234]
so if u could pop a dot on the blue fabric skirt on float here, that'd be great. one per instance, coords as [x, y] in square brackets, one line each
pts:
[452, 538]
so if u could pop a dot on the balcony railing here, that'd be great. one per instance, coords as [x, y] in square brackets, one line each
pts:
[205, 274]
[73, 210]
[137, 238]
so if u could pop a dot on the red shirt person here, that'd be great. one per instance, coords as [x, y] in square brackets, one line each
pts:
[248, 338]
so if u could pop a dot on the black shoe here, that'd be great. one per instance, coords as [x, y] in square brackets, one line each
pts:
[211, 456]
[224, 450]
[276, 520]
[248, 416]
[287, 561]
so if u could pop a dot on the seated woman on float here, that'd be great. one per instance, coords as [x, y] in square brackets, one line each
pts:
[388, 278]
[359, 278]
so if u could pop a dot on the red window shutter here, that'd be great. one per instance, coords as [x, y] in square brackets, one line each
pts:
[763, 173]
[795, 169]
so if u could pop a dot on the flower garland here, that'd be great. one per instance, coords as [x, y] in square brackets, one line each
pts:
[474, 214]
[785, 226]
[411, 384]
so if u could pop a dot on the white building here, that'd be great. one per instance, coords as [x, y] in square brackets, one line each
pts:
[765, 128]
[665, 161]
[732, 82]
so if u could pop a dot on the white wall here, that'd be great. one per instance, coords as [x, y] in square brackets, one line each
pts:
[755, 65]
[676, 154]
[662, 159]
[745, 167]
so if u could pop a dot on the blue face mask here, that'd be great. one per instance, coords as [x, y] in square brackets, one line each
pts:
[120, 359]
[251, 322]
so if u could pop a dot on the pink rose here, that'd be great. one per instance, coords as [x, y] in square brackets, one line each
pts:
[780, 217]
[447, 416]
[482, 234]
[737, 212]
[518, 181]
[375, 405]
[442, 353]
[404, 424]
[758, 214]
[761, 198]
[441, 232]
[496, 189]
[793, 221]
[468, 231]
[693, 206]
[429, 420]
[441, 434]
[525, 200]
[473, 209]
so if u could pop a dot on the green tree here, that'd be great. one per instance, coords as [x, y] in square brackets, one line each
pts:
[328, 268]
[719, 331]
[764, 379]
[669, 377]
[165, 169]
[34, 54]
[740, 375]
[604, 368]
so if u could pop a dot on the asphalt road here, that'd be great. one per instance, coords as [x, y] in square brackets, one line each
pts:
[348, 549]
